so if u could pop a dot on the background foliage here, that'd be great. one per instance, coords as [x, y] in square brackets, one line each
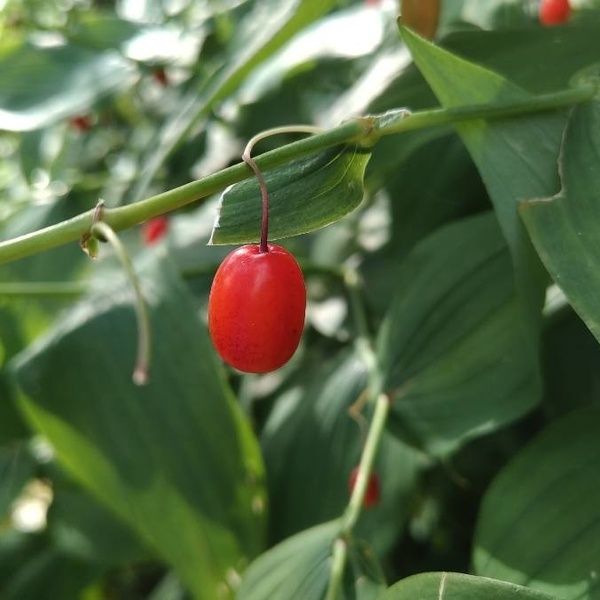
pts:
[466, 254]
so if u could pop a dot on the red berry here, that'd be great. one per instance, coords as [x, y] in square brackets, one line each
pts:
[256, 308]
[81, 123]
[554, 12]
[373, 488]
[154, 229]
[160, 76]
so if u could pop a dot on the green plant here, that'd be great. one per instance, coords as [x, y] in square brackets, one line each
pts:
[448, 240]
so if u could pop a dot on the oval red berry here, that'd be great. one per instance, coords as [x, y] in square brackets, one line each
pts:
[256, 308]
[154, 229]
[81, 123]
[554, 12]
[373, 492]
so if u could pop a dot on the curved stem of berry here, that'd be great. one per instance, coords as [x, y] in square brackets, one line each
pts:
[264, 192]
[140, 373]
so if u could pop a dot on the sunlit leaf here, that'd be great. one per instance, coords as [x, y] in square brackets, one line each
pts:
[456, 586]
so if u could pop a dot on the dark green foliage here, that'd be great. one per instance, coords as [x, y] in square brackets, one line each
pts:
[452, 275]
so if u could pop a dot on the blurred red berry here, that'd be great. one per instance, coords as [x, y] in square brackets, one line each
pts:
[160, 76]
[554, 12]
[373, 492]
[154, 229]
[81, 123]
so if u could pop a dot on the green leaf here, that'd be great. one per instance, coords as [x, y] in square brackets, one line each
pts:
[565, 227]
[148, 452]
[305, 195]
[451, 347]
[299, 568]
[456, 586]
[310, 442]
[49, 575]
[539, 521]
[496, 150]
[17, 466]
[31, 569]
[419, 204]
[571, 361]
[84, 529]
[41, 85]
[554, 54]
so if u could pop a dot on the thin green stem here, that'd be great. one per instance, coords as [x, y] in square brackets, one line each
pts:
[338, 563]
[140, 373]
[399, 120]
[365, 465]
[373, 438]
[366, 130]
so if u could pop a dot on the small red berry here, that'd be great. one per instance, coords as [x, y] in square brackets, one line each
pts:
[81, 123]
[154, 229]
[373, 492]
[256, 308]
[160, 76]
[554, 12]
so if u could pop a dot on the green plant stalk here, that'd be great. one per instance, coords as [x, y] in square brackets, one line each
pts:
[372, 441]
[354, 508]
[365, 130]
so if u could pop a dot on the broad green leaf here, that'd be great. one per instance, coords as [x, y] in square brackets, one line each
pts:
[32, 569]
[49, 575]
[175, 459]
[565, 227]
[539, 523]
[496, 150]
[310, 442]
[41, 85]
[419, 204]
[298, 568]
[571, 364]
[554, 54]
[451, 347]
[84, 529]
[17, 466]
[263, 31]
[304, 195]
[456, 586]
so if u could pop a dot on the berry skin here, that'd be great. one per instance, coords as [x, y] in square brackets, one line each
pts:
[373, 492]
[154, 230]
[160, 76]
[256, 308]
[81, 123]
[554, 12]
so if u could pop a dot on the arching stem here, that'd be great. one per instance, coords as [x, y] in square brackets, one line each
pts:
[264, 192]
[140, 373]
